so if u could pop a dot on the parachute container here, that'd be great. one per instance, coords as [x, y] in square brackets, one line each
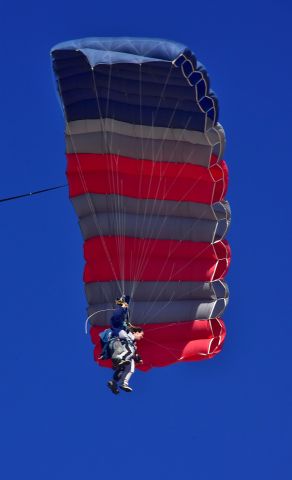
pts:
[148, 182]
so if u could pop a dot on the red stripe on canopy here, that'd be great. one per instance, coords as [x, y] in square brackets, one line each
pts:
[97, 246]
[113, 174]
[154, 260]
[164, 344]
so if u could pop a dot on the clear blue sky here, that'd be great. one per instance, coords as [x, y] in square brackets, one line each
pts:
[228, 418]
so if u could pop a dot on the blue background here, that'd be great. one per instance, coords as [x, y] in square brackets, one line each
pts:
[228, 418]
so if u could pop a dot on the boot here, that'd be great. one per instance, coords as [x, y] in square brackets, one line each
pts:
[126, 387]
[113, 386]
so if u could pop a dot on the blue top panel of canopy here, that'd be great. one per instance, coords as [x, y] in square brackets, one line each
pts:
[189, 79]
[124, 49]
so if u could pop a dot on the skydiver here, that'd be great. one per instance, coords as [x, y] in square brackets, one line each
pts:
[120, 326]
[120, 318]
[125, 369]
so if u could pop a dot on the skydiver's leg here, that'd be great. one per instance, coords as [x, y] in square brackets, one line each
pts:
[126, 375]
[125, 378]
[118, 373]
[113, 383]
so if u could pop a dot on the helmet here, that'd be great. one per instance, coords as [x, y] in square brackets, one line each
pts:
[123, 299]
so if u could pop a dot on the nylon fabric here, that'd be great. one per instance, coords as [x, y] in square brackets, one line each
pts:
[171, 342]
[108, 174]
[108, 125]
[162, 312]
[148, 182]
[122, 204]
[162, 291]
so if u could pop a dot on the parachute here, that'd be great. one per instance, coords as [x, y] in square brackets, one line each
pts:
[148, 182]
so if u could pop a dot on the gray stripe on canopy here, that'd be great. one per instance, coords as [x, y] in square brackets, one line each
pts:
[146, 148]
[156, 150]
[161, 312]
[156, 227]
[98, 292]
[85, 204]
[211, 137]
